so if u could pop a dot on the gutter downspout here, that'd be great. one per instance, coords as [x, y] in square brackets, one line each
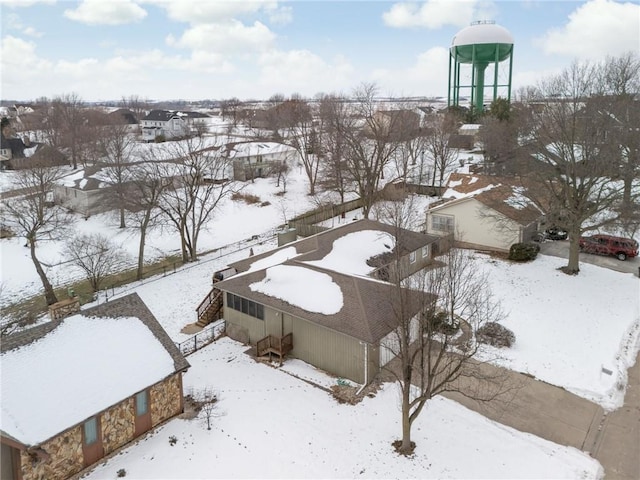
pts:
[366, 368]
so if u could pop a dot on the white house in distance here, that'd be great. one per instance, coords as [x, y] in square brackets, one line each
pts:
[255, 159]
[484, 212]
[168, 124]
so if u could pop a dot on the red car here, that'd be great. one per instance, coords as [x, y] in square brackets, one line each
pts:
[619, 247]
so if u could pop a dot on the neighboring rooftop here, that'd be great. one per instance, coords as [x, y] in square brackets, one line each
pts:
[58, 374]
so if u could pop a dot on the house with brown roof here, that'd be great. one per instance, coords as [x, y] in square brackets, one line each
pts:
[76, 389]
[485, 212]
[323, 300]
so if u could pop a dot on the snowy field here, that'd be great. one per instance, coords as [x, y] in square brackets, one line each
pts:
[269, 424]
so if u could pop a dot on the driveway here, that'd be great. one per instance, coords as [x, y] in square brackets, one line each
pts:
[561, 249]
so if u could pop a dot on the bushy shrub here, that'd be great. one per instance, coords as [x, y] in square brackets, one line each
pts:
[121, 473]
[523, 252]
[246, 197]
[494, 334]
[440, 323]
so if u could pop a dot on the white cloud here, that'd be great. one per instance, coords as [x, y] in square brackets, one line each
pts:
[101, 12]
[201, 11]
[14, 22]
[427, 76]
[18, 57]
[596, 29]
[435, 14]
[231, 37]
[32, 32]
[280, 15]
[303, 72]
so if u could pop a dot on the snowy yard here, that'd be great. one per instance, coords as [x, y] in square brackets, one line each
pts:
[568, 329]
[269, 424]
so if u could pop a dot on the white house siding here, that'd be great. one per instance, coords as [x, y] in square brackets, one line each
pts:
[478, 226]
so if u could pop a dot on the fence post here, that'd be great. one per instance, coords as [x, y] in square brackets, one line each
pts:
[195, 342]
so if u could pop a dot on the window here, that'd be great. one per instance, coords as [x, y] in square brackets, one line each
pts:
[425, 251]
[412, 257]
[245, 306]
[142, 403]
[442, 223]
[90, 430]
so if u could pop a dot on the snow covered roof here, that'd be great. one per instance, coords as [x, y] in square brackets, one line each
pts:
[497, 193]
[59, 374]
[244, 149]
[323, 278]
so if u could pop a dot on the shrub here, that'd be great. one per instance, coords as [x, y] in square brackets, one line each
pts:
[440, 323]
[121, 473]
[246, 197]
[494, 334]
[523, 252]
[173, 440]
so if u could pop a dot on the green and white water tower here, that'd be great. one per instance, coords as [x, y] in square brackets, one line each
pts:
[477, 47]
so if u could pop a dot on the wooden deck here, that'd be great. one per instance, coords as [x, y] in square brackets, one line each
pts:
[272, 345]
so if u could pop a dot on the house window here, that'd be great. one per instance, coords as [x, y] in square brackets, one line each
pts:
[245, 306]
[442, 223]
[412, 257]
[425, 251]
[90, 430]
[142, 403]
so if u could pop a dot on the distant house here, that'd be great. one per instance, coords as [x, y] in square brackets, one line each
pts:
[169, 124]
[321, 299]
[39, 154]
[256, 159]
[399, 124]
[11, 149]
[75, 390]
[484, 212]
[124, 115]
[83, 193]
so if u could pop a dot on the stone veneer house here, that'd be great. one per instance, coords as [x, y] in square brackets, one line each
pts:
[327, 293]
[77, 389]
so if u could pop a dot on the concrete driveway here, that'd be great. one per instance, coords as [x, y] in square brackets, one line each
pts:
[560, 248]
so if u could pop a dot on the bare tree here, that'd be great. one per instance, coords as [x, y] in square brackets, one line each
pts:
[147, 186]
[96, 255]
[335, 119]
[436, 314]
[136, 104]
[296, 117]
[573, 185]
[280, 170]
[67, 112]
[202, 181]
[116, 144]
[33, 217]
[437, 144]
[206, 401]
[370, 144]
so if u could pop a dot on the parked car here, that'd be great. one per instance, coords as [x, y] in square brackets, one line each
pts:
[621, 248]
[556, 233]
[552, 233]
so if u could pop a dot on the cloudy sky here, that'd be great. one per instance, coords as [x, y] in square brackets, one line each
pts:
[212, 49]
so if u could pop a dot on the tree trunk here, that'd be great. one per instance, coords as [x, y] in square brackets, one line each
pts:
[143, 236]
[406, 421]
[122, 223]
[573, 267]
[49, 294]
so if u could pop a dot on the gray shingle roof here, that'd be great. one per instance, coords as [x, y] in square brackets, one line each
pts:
[368, 312]
[128, 306]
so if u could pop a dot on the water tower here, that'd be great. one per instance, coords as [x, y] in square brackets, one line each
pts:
[480, 45]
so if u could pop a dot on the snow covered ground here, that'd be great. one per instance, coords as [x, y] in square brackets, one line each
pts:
[567, 329]
[269, 424]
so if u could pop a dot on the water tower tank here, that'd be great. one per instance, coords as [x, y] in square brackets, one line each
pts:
[479, 45]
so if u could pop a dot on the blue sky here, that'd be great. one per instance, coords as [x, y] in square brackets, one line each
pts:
[197, 49]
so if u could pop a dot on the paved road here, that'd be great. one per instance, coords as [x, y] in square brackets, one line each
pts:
[561, 249]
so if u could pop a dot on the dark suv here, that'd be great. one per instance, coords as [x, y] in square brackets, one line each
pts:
[621, 248]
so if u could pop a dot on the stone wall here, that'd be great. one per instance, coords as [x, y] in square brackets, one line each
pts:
[166, 399]
[65, 458]
[118, 425]
[62, 456]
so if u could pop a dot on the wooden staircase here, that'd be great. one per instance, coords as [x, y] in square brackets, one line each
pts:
[210, 309]
[272, 345]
